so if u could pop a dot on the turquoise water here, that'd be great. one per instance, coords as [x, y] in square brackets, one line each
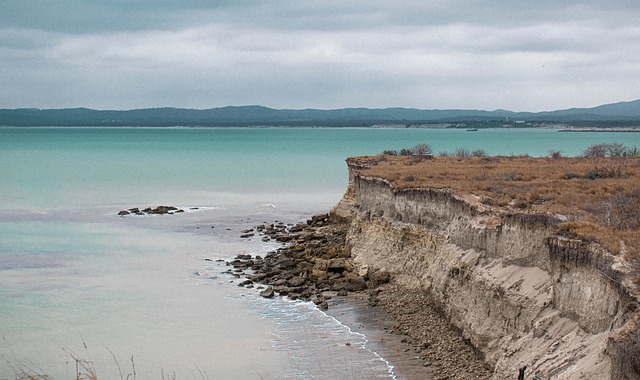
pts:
[72, 273]
[62, 168]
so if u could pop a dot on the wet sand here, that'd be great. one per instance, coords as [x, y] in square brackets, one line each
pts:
[377, 325]
[409, 334]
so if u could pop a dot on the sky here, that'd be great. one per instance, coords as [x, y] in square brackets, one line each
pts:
[428, 54]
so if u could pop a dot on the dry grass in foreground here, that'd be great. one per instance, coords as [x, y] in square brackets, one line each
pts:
[597, 197]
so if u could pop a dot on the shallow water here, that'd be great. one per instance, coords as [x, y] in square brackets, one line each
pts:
[72, 273]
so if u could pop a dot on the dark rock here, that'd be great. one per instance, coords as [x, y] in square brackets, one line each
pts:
[268, 293]
[337, 266]
[355, 283]
[297, 248]
[296, 281]
[296, 228]
[123, 213]
[286, 263]
[312, 260]
[163, 210]
[247, 235]
[160, 210]
[236, 263]
[316, 219]
[259, 277]
[283, 237]
[378, 278]
[282, 290]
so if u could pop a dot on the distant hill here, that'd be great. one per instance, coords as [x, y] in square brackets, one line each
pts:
[617, 113]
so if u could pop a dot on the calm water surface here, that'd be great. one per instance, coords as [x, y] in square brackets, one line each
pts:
[73, 274]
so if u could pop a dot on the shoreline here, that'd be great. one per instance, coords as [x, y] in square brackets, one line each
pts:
[618, 130]
[409, 334]
[376, 325]
[400, 326]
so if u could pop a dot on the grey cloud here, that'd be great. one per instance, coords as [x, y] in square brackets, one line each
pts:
[90, 16]
[436, 54]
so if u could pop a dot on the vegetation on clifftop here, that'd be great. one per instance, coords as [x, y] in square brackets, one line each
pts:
[597, 195]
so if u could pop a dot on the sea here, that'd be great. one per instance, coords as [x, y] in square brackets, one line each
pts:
[85, 290]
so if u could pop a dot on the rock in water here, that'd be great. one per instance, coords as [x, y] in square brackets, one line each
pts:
[268, 292]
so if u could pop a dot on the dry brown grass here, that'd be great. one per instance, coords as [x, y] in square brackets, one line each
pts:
[597, 196]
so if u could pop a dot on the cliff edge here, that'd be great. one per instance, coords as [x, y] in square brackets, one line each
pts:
[524, 285]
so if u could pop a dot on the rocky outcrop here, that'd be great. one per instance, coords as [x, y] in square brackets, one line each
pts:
[312, 262]
[160, 210]
[520, 293]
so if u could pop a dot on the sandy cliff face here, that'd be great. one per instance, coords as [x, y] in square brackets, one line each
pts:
[522, 295]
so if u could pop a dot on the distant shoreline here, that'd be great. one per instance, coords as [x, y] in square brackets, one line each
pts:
[600, 130]
[559, 128]
[614, 115]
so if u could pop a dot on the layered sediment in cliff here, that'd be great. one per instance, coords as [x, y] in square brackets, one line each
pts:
[522, 295]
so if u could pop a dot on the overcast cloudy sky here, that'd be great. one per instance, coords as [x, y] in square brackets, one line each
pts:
[489, 54]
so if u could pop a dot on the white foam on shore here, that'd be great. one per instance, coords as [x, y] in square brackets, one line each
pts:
[200, 208]
[319, 344]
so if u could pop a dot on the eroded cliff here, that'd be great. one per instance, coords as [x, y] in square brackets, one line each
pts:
[521, 293]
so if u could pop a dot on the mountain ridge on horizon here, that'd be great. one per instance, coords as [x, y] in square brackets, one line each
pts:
[248, 115]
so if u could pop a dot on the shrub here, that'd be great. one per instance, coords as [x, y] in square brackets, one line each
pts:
[510, 176]
[409, 178]
[596, 150]
[422, 149]
[621, 211]
[478, 153]
[614, 168]
[419, 158]
[521, 204]
[405, 152]
[631, 347]
[609, 150]
[570, 175]
[555, 154]
[390, 152]
[462, 152]
[616, 150]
